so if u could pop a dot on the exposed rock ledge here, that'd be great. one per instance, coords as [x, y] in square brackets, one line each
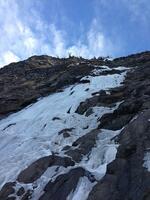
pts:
[127, 177]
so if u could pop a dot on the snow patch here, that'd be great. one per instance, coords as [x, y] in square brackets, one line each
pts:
[82, 190]
[32, 133]
[146, 163]
[102, 154]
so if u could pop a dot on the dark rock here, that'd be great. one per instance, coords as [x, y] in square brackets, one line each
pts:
[84, 106]
[38, 76]
[56, 118]
[69, 110]
[87, 89]
[105, 189]
[7, 190]
[71, 93]
[101, 99]
[36, 169]
[34, 78]
[86, 127]
[112, 121]
[121, 116]
[139, 59]
[84, 145]
[20, 192]
[89, 112]
[11, 198]
[9, 126]
[113, 71]
[66, 148]
[66, 132]
[130, 179]
[63, 185]
[66, 135]
[101, 93]
[84, 81]
[27, 195]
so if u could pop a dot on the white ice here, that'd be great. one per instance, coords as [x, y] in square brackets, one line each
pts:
[146, 163]
[102, 154]
[33, 133]
[82, 190]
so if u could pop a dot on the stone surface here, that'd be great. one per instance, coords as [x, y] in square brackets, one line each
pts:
[63, 185]
[126, 178]
[38, 76]
[84, 145]
[36, 169]
[7, 189]
[20, 192]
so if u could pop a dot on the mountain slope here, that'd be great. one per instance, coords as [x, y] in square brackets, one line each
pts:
[90, 130]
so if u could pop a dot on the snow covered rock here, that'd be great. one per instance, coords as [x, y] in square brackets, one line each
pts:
[73, 129]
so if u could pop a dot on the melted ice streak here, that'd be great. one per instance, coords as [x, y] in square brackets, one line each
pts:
[82, 190]
[99, 69]
[39, 185]
[102, 154]
[146, 163]
[96, 162]
[146, 158]
[31, 133]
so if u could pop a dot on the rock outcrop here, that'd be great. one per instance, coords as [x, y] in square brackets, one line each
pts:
[126, 177]
[97, 148]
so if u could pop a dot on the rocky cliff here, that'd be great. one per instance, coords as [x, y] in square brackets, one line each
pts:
[75, 129]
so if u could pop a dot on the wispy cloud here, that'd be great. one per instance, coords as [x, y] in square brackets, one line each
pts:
[22, 36]
[97, 44]
[8, 57]
[139, 9]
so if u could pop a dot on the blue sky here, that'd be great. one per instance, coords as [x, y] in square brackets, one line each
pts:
[85, 28]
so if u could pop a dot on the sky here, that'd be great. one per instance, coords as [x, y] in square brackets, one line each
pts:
[87, 28]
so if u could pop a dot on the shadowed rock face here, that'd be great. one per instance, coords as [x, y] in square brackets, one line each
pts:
[119, 118]
[7, 190]
[36, 169]
[84, 144]
[101, 99]
[31, 174]
[63, 185]
[24, 82]
[126, 178]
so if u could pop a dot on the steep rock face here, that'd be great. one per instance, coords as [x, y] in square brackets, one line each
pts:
[24, 82]
[63, 185]
[36, 169]
[126, 176]
[88, 139]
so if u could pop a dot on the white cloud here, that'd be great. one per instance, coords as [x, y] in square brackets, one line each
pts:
[96, 44]
[19, 41]
[139, 10]
[58, 42]
[7, 58]
[30, 43]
